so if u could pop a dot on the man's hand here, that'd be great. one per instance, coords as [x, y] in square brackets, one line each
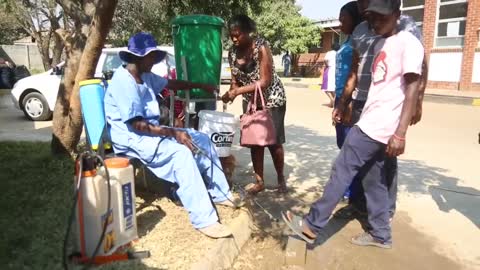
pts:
[182, 137]
[395, 146]
[337, 116]
[417, 116]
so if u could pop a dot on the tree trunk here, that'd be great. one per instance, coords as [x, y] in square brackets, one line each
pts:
[43, 44]
[67, 118]
[58, 46]
[57, 49]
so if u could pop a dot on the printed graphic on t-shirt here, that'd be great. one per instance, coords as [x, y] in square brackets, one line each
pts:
[380, 68]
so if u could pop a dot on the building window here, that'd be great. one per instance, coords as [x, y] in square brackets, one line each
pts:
[452, 20]
[338, 38]
[414, 9]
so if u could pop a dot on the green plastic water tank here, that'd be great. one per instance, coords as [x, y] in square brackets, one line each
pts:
[198, 43]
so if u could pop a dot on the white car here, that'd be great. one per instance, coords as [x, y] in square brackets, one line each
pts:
[36, 95]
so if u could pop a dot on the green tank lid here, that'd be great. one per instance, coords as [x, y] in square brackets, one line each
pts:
[197, 19]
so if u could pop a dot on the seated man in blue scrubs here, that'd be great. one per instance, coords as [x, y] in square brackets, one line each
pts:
[132, 114]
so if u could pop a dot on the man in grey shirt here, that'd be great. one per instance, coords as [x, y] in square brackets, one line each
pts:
[363, 42]
[356, 92]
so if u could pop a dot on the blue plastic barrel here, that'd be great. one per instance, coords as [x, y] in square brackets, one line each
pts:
[92, 93]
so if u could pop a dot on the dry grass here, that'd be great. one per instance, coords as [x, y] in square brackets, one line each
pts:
[171, 239]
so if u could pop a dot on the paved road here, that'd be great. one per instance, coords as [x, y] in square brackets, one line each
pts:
[14, 125]
[438, 179]
[438, 221]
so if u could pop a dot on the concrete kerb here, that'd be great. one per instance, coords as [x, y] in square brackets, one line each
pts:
[225, 250]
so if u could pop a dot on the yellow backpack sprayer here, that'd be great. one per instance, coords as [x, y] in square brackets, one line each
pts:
[103, 213]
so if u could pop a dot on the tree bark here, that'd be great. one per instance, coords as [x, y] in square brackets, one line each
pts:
[44, 47]
[67, 117]
[57, 46]
[57, 49]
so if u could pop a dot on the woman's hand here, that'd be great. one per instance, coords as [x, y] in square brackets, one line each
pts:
[229, 96]
[182, 137]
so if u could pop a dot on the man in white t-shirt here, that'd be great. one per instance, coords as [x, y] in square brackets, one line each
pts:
[380, 133]
[364, 40]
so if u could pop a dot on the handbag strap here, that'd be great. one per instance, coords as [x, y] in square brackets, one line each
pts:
[258, 91]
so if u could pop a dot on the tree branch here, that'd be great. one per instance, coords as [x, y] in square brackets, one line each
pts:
[74, 10]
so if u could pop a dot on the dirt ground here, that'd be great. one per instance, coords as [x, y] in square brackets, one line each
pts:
[437, 226]
[266, 249]
[165, 230]
[173, 242]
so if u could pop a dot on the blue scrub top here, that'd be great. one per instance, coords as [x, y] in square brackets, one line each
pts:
[343, 66]
[125, 99]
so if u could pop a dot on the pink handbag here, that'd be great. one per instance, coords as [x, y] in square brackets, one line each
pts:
[257, 128]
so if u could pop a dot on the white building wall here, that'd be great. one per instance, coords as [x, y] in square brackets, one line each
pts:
[445, 67]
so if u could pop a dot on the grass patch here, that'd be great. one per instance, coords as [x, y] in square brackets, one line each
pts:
[36, 197]
[36, 71]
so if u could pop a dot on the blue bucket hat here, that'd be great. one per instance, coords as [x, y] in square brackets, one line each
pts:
[140, 45]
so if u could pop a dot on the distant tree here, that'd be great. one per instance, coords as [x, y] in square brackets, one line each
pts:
[11, 29]
[40, 19]
[155, 16]
[281, 23]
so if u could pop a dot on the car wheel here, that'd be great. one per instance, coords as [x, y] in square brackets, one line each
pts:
[35, 107]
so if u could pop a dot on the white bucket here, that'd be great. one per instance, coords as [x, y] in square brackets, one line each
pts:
[220, 127]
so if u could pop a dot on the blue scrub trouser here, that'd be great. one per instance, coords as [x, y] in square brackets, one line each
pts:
[359, 154]
[195, 175]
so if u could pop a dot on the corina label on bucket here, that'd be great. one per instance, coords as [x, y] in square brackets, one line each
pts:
[222, 139]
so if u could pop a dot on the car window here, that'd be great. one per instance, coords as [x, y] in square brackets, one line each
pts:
[112, 62]
[170, 59]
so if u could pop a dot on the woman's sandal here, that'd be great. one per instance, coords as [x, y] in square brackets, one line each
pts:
[282, 188]
[256, 188]
[296, 224]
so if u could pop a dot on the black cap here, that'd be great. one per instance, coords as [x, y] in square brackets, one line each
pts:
[384, 7]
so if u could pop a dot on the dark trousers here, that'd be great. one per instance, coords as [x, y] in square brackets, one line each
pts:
[341, 129]
[342, 132]
[358, 155]
[357, 197]
[286, 70]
